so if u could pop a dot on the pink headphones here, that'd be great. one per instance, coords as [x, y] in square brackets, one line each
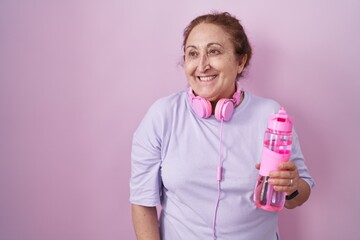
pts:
[224, 107]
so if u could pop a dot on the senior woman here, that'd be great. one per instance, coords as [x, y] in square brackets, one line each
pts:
[196, 152]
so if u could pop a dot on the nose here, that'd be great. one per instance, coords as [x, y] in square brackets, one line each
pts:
[204, 63]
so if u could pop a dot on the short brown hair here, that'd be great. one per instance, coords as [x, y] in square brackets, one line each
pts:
[229, 24]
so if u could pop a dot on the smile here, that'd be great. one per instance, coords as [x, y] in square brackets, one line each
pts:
[206, 78]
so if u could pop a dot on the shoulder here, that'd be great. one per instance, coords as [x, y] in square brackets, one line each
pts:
[170, 100]
[165, 105]
[263, 102]
[163, 110]
[261, 105]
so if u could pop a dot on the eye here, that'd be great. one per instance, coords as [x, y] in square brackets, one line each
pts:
[192, 54]
[214, 52]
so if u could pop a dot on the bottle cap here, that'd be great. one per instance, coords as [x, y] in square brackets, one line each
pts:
[280, 121]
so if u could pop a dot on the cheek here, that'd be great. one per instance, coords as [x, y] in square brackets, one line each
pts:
[232, 71]
[231, 68]
[189, 68]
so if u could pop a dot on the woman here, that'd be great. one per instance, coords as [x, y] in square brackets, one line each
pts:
[196, 152]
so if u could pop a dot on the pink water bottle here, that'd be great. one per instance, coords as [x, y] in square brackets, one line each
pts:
[276, 149]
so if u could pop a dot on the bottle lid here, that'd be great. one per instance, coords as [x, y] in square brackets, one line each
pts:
[280, 121]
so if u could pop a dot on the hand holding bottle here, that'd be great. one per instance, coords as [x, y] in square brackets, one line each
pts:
[285, 179]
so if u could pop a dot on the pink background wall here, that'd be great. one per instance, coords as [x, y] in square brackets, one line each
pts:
[76, 77]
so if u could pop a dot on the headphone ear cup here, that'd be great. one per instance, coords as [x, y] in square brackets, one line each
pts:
[202, 107]
[224, 109]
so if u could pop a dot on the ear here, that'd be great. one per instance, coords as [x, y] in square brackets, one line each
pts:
[242, 63]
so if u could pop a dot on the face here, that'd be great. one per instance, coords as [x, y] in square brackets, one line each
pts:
[211, 65]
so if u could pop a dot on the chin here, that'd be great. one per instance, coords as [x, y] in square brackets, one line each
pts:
[207, 96]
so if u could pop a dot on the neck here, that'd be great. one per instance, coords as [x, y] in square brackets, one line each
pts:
[213, 103]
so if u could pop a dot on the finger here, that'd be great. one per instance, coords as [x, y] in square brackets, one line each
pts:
[290, 166]
[286, 170]
[286, 174]
[284, 185]
[257, 166]
[287, 189]
[282, 182]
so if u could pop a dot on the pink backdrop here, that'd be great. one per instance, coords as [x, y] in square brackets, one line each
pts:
[76, 77]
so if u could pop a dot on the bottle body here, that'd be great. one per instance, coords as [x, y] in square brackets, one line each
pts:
[276, 149]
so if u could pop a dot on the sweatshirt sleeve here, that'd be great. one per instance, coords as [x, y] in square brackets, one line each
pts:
[145, 180]
[298, 158]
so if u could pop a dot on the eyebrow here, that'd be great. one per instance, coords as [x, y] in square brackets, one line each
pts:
[208, 45]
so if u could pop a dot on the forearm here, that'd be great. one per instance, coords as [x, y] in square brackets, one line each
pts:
[304, 194]
[145, 221]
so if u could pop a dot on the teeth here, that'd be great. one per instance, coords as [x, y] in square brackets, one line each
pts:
[207, 78]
